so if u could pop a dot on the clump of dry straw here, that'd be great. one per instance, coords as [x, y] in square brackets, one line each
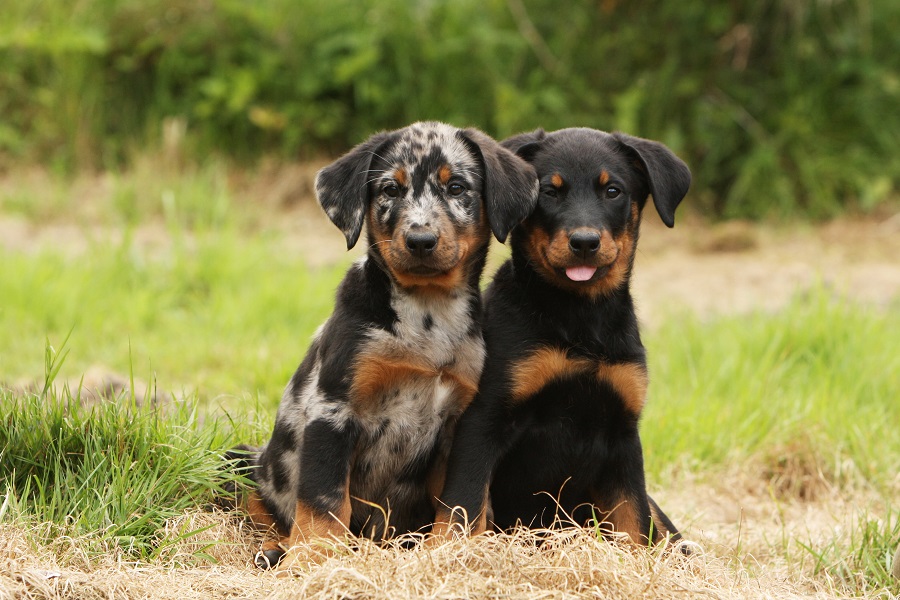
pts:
[217, 563]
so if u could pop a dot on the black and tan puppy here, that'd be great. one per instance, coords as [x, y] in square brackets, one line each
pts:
[554, 426]
[365, 424]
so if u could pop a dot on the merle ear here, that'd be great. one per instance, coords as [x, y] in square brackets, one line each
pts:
[668, 176]
[510, 183]
[525, 145]
[342, 187]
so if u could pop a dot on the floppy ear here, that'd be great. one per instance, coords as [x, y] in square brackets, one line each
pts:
[510, 183]
[669, 177]
[342, 187]
[525, 144]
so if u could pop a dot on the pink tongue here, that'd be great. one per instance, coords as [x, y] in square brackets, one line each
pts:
[580, 273]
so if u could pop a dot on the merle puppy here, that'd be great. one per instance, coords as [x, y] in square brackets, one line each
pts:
[554, 426]
[365, 424]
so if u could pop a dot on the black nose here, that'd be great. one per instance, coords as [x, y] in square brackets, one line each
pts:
[584, 243]
[421, 243]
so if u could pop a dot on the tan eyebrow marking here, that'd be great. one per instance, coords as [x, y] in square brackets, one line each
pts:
[444, 174]
[401, 176]
[557, 180]
[604, 177]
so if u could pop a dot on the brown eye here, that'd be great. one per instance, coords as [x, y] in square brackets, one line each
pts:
[613, 192]
[456, 189]
[391, 190]
[551, 192]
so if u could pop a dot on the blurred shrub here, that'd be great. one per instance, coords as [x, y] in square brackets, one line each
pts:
[779, 106]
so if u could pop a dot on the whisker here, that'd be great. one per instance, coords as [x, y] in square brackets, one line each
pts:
[373, 153]
[381, 242]
[474, 174]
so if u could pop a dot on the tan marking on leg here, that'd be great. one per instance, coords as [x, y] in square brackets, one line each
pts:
[625, 519]
[541, 367]
[272, 545]
[443, 530]
[660, 531]
[449, 521]
[310, 524]
[629, 380]
[481, 525]
[434, 482]
[259, 515]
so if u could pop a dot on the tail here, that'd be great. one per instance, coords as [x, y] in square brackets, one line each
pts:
[241, 460]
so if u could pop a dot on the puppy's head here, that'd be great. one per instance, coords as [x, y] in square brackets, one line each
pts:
[593, 187]
[430, 195]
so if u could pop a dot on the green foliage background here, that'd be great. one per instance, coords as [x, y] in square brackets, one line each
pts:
[779, 106]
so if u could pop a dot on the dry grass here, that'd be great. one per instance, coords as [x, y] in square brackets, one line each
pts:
[747, 547]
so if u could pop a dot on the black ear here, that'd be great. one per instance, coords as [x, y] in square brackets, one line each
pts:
[342, 187]
[510, 183]
[668, 176]
[525, 144]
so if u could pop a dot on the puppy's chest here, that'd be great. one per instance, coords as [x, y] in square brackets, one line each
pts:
[563, 384]
[422, 371]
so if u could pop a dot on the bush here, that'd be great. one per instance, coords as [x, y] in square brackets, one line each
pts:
[778, 106]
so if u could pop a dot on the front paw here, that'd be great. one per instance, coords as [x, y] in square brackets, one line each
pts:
[269, 558]
[304, 555]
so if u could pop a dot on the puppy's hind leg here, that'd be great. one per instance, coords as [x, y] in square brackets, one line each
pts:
[663, 527]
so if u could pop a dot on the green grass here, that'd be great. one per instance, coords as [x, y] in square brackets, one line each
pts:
[218, 315]
[109, 474]
[862, 559]
[821, 376]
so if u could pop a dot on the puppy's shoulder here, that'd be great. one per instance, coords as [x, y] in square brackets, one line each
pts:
[363, 298]
[503, 294]
[509, 325]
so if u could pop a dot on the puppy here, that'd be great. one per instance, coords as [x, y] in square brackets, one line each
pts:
[364, 427]
[553, 430]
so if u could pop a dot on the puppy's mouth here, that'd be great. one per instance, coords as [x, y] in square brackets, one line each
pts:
[583, 274]
[433, 265]
[426, 271]
[444, 271]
